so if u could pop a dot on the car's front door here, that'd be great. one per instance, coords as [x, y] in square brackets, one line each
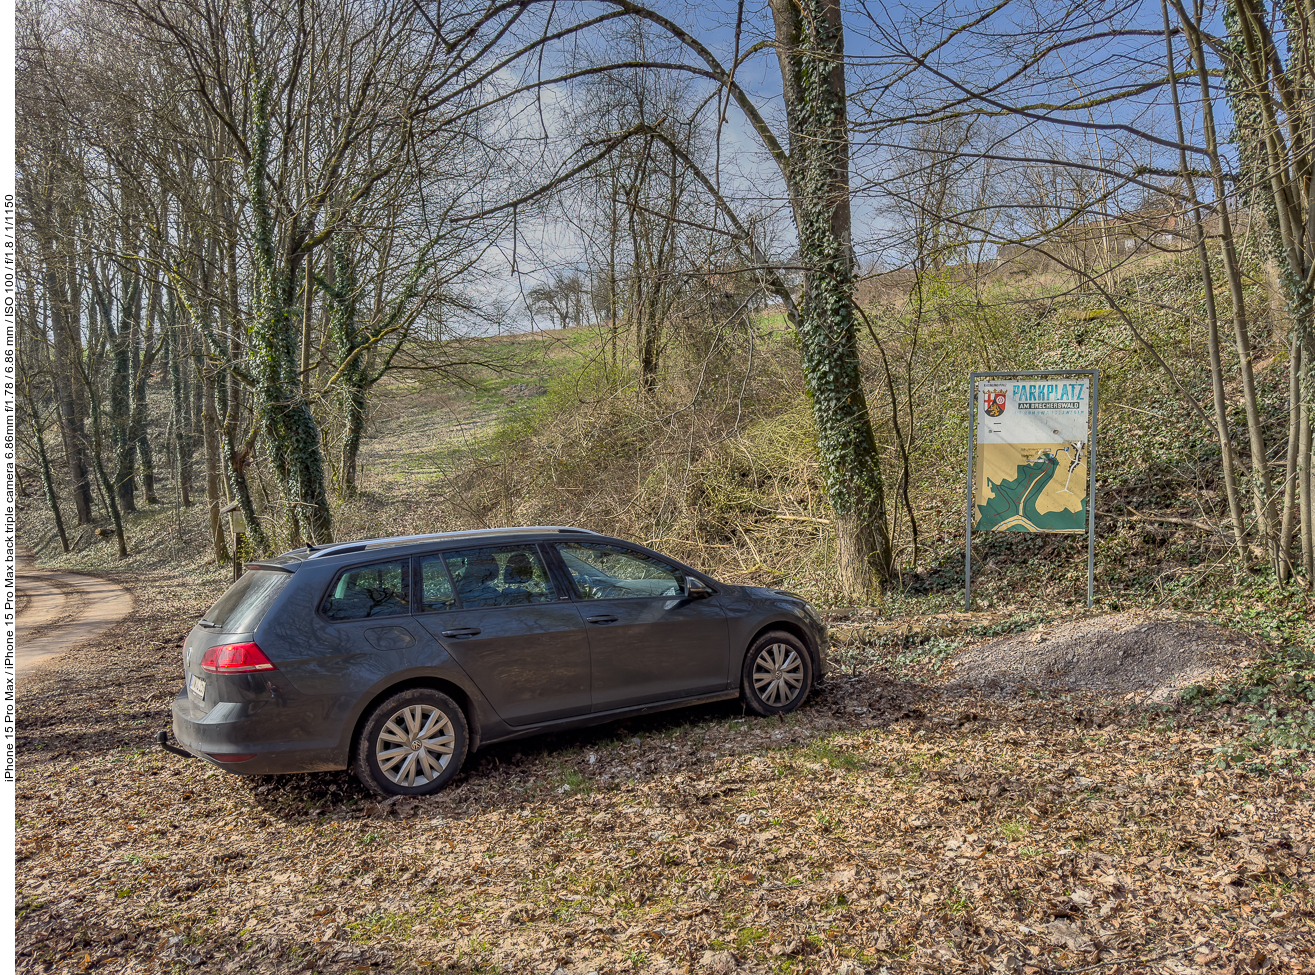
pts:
[647, 641]
[497, 613]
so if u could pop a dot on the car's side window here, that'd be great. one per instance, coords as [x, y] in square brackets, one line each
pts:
[370, 591]
[435, 587]
[509, 575]
[608, 572]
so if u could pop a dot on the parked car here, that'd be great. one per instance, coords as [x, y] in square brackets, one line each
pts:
[398, 657]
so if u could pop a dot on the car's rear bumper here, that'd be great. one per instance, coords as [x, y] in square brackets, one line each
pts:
[262, 730]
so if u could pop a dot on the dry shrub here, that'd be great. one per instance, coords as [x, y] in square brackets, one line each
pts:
[716, 467]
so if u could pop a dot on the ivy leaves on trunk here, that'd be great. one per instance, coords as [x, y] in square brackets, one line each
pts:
[287, 423]
[810, 49]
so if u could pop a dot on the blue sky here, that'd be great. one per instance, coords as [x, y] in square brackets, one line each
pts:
[874, 35]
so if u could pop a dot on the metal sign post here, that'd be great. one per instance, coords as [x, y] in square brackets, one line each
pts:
[1027, 430]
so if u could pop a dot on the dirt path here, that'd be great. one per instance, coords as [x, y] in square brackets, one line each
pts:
[59, 610]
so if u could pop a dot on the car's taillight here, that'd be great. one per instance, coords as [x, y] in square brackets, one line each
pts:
[236, 658]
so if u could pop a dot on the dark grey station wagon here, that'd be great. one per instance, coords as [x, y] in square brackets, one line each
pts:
[399, 656]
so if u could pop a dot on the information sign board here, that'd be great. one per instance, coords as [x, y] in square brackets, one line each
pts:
[1031, 456]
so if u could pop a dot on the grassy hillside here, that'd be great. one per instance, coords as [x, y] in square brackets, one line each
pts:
[717, 466]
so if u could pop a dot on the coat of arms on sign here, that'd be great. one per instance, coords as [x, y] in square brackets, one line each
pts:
[995, 402]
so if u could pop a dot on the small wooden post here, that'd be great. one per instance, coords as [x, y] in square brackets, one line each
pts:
[237, 527]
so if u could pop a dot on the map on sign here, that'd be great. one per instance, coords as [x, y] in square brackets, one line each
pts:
[1031, 455]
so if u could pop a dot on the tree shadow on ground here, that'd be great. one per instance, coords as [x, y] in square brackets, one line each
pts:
[678, 745]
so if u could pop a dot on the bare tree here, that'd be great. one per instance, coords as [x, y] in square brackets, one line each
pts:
[562, 299]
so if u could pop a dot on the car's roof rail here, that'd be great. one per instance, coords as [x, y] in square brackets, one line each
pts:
[361, 543]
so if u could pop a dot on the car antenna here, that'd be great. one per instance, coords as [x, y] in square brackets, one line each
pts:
[310, 547]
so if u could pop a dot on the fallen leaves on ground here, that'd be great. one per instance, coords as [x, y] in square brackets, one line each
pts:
[884, 826]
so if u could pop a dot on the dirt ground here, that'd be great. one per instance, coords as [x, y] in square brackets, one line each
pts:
[1139, 656]
[890, 825]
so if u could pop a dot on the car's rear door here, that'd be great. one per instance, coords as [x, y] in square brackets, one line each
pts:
[522, 641]
[648, 642]
[372, 632]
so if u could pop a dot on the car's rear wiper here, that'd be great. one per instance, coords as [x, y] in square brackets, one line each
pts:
[208, 625]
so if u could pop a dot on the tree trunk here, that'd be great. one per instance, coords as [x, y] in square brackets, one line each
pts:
[1285, 565]
[341, 291]
[73, 435]
[137, 421]
[182, 440]
[1305, 483]
[237, 454]
[289, 427]
[67, 364]
[210, 434]
[111, 500]
[353, 404]
[146, 467]
[120, 337]
[1222, 433]
[124, 447]
[47, 478]
[810, 49]
[237, 451]
[651, 327]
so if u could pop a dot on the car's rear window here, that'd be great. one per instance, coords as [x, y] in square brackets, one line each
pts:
[369, 591]
[243, 606]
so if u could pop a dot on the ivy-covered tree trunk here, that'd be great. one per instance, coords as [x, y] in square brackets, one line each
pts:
[351, 378]
[285, 418]
[810, 48]
[1274, 173]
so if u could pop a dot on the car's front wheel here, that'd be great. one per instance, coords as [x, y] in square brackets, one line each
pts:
[777, 674]
[412, 744]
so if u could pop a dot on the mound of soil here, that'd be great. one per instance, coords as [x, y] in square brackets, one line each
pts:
[1142, 656]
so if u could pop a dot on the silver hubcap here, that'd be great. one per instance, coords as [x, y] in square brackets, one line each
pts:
[415, 745]
[778, 675]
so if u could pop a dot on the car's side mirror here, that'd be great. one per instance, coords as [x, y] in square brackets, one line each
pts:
[694, 589]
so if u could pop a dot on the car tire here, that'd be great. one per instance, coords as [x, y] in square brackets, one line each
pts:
[777, 674]
[412, 744]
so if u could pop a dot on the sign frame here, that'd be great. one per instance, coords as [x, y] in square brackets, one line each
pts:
[973, 379]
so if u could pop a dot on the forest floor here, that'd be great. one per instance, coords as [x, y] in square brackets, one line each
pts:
[904, 820]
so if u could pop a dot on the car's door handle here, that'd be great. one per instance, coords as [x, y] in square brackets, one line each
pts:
[465, 631]
[600, 619]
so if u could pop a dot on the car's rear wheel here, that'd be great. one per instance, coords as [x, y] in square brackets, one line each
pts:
[777, 674]
[412, 744]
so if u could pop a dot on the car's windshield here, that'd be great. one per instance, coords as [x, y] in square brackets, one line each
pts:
[243, 606]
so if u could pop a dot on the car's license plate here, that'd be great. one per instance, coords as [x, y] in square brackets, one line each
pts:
[196, 687]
